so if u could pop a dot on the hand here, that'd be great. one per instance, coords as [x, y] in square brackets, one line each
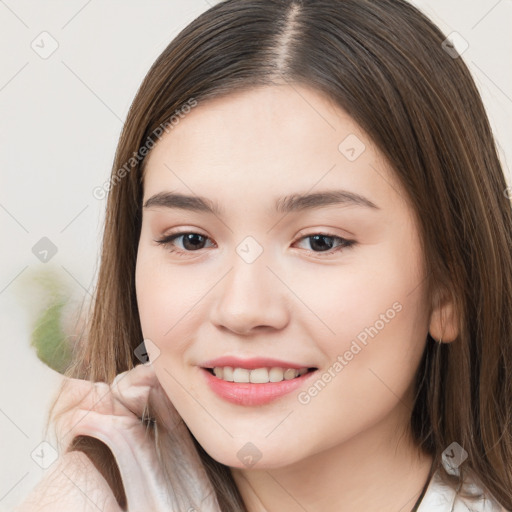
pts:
[114, 415]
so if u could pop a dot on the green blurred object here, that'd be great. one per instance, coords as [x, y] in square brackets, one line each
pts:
[48, 299]
[50, 341]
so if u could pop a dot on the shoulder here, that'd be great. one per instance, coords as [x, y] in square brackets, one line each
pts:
[71, 483]
[442, 497]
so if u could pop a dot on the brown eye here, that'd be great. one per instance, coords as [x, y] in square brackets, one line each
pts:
[191, 242]
[324, 243]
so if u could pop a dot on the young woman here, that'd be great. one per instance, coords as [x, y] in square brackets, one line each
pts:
[309, 227]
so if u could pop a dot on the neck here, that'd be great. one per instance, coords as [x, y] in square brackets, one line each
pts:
[376, 470]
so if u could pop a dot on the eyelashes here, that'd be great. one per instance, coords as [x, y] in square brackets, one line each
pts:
[192, 238]
[167, 241]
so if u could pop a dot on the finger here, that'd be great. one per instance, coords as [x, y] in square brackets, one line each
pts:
[128, 397]
[140, 391]
[132, 388]
[135, 452]
[142, 374]
[189, 475]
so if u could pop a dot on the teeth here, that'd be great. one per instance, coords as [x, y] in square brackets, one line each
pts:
[241, 375]
[227, 374]
[258, 375]
[276, 375]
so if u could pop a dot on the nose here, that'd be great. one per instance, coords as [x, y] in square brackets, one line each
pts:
[251, 298]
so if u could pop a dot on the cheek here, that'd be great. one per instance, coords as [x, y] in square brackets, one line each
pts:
[159, 300]
[164, 293]
[370, 365]
[379, 291]
[382, 332]
[377, 316]
[169, 303]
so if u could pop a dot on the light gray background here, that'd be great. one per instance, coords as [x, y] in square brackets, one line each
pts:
[59, 124]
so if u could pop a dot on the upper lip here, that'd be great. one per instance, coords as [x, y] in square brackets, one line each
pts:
[252, 363]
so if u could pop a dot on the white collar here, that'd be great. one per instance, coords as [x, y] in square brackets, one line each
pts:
[440, 497]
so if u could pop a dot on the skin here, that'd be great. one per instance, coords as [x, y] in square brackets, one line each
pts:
[349, 447]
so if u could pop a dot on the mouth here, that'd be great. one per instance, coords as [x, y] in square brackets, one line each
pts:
[255, 387]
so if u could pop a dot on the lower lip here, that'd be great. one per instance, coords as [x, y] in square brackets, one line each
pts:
[246, 393]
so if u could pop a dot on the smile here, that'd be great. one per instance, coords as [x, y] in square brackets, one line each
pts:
[258, 386]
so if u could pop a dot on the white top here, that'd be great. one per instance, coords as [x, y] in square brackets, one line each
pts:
[439, 497]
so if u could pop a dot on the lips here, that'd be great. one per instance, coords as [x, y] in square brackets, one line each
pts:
[251, 393]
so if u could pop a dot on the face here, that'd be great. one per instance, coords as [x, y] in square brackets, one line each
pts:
[334, 282]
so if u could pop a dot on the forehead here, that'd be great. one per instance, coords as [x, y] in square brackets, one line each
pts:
[252, 119]
[286, 138]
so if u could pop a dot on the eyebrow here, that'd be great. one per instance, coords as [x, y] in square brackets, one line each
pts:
[286, 204]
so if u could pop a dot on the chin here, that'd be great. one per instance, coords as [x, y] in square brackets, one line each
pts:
[246, 455]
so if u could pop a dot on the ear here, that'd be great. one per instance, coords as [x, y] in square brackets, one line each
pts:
[443, 318]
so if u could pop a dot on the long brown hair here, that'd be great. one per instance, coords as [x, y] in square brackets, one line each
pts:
[384, 63]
